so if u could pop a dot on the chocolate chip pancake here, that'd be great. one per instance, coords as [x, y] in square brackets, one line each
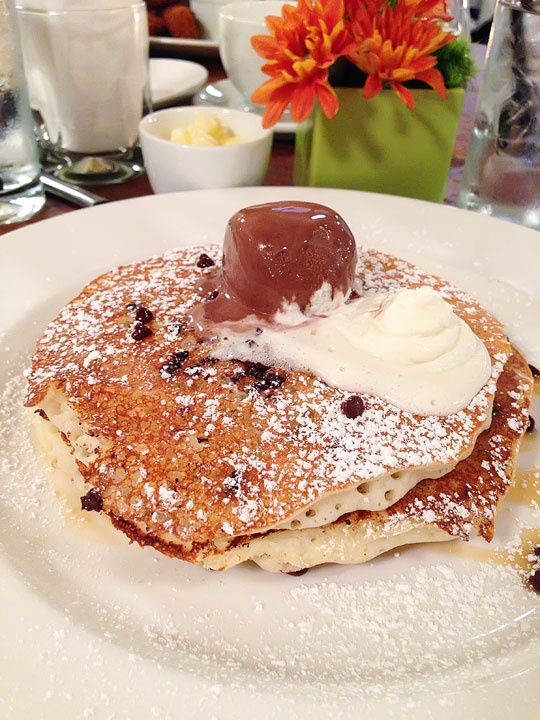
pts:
[461, 503]
[186, 452]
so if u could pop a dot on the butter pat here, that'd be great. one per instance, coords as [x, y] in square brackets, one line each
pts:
[206, 130]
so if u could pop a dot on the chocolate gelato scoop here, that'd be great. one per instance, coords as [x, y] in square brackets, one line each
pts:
[279, 253]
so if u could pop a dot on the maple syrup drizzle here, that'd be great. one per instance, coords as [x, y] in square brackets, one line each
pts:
[524, 491]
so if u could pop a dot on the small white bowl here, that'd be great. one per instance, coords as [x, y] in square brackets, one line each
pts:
[171, 166]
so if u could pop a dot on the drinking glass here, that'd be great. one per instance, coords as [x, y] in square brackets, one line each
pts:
[461, 18]
[87, 71]
[502, 169]
[21, 193]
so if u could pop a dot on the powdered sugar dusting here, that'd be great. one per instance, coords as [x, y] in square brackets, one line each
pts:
[283, 437]
[403, 626]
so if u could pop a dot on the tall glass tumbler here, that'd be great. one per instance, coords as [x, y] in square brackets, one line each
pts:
[86, 62]
[21, 193]
[502, 169]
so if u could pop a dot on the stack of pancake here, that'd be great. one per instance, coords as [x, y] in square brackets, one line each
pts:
[222, 461]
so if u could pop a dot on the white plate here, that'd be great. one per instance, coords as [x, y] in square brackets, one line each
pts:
[93, 627]
[202, 48]
[174, 80]
[223, 94]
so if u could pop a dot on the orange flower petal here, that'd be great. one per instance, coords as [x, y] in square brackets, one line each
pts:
[372, 87]
[264, 46]
[302, 100]
[265, 91]
[404, 94]
[431, 8]
[327, 99]
[276, 106]
[434, 78]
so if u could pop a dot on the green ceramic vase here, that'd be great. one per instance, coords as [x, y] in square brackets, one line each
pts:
[380, 145]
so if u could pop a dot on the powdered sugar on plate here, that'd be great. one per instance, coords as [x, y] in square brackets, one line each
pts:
[403, 624]
[95, 628]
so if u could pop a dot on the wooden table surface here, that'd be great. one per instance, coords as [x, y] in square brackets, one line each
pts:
[280, 171]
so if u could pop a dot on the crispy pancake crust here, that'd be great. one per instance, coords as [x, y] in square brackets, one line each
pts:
[466, 499]
[461, 503]
[210, 452]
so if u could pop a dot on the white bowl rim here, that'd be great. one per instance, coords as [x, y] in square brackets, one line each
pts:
[145, 121]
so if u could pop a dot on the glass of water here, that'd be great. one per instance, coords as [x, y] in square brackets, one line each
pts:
[502, 169]
[86, 63]
[21, 193]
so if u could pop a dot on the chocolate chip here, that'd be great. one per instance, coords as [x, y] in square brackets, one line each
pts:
[353, 407]
[92, 501]
[296, 573]
[205, 261]
[256, 370]
[531, 425]
[536, 551]
[250, 343]
[354, 295]
[231, 484]
[131, 306]
[175, 328]
[258, 331]
[271, 381]
[534, 371]
[534, 581]
[202, 440]
[140, 331]
[175, 363]
[144, 315]
[213, 295]
[265, 380]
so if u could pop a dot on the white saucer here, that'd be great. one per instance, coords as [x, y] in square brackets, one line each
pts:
[173, 80]
[223, 94]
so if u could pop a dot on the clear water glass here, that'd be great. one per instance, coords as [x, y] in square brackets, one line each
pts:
[502, 169]
[21, 193]
[461, 18]
[86, 64]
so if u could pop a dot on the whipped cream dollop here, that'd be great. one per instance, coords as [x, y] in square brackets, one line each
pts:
[408, 347]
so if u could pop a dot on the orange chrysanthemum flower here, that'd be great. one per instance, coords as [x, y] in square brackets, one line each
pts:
[423, 8]
[391, 42]
[304, 42]
[431, 9]
[396, 47]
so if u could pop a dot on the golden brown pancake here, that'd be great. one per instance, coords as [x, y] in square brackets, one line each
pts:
[461, 503]
[185, 452]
